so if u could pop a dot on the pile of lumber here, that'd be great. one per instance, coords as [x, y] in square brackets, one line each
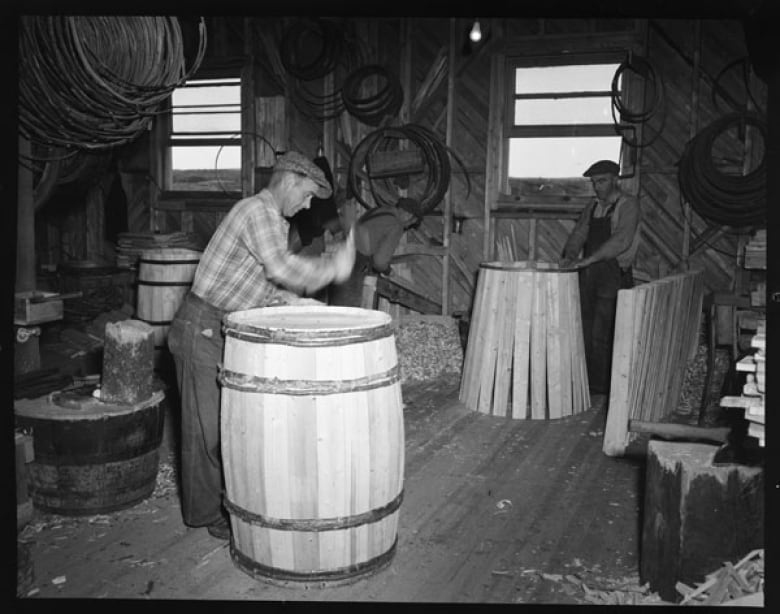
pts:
[752, 397]
[656, 334]
[755, 251]
[740, 584]
[130, 245]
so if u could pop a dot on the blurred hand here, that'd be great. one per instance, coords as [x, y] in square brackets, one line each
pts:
[344, 258]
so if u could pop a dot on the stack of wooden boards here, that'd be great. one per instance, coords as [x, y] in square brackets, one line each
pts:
[752, 397]
[656, 330]
[131, 244]
[525, 356]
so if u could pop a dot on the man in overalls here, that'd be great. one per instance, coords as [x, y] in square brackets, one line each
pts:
[606, 234]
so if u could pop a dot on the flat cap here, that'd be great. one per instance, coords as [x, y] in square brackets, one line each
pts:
[298, 163]
[602, 167]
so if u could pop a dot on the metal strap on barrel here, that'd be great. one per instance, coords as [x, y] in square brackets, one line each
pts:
[302, 338]
[189, 261]
[155, 322]
[141, 282]
[314, 524]
[347, 573]
[274, 385]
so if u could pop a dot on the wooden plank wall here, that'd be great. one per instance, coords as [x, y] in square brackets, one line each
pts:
[670, 46]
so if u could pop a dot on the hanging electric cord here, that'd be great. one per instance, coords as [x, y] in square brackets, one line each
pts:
[435, 155]
[374, 108]
[729, 199]
[718, 89]
[93, 83]
[621, 112]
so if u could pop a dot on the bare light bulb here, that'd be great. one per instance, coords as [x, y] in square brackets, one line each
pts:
[476, 34]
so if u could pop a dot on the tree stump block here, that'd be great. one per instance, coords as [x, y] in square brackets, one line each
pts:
[696, 515]
[128, 362]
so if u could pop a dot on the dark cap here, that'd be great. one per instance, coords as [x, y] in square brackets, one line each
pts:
[602, 167]
[298, 163]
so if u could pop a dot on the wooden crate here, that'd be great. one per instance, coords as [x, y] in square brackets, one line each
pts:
[35, 307]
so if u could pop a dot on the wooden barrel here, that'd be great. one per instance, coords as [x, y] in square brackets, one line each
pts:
[312, 441]
[525, 355]
[91, 457]
[164, 278]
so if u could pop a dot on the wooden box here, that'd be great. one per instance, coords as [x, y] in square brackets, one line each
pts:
[35, 307]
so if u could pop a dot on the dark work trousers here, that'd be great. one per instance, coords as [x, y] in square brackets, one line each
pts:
[196, 342]
[599, 285]
[350, 293]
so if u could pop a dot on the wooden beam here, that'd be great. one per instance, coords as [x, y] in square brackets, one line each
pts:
[447, 217]
[25, 223]
[694, 117]
[398, 290]
[493, 158]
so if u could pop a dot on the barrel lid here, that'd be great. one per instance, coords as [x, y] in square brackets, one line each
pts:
[61, 405]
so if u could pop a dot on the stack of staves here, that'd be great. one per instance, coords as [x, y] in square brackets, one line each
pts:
[525, 356]
[656, 333]
[752, 397]
[755, 251]
[131, 244]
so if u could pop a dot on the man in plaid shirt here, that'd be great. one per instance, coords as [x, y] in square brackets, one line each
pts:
[246, 264]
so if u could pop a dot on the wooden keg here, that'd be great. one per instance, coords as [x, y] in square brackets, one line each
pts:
[164, 278]
[312, 441]
[525, 355]
[91, 457]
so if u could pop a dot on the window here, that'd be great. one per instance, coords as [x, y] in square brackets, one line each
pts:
[560, 118]
[204, 139]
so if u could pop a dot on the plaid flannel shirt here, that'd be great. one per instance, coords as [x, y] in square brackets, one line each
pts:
[247, 262]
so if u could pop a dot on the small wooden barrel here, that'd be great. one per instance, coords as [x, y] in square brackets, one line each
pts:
[164, 278]
[525, 355]
[91, 457]
[312, 441]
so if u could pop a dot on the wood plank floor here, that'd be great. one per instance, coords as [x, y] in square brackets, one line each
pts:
[494, 510]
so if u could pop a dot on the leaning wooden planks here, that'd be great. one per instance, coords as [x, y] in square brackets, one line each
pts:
[525, 355]
[656, 328]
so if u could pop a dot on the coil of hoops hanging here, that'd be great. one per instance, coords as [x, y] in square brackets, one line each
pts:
[729, 199]
[312, 49]
[93, 83]
[372, 109]
[625, 118]
[435, 155]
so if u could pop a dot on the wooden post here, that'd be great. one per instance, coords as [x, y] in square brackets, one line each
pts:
[494, 155]
[248, 113]
[447, 217]
[25, 224]
[692, 133]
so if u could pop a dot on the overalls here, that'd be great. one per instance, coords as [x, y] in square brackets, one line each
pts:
[599, 285]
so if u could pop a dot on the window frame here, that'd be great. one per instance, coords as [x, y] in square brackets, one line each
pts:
[228, 69]
[511, 130]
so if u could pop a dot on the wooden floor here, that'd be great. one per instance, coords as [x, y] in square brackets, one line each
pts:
[494, 510]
